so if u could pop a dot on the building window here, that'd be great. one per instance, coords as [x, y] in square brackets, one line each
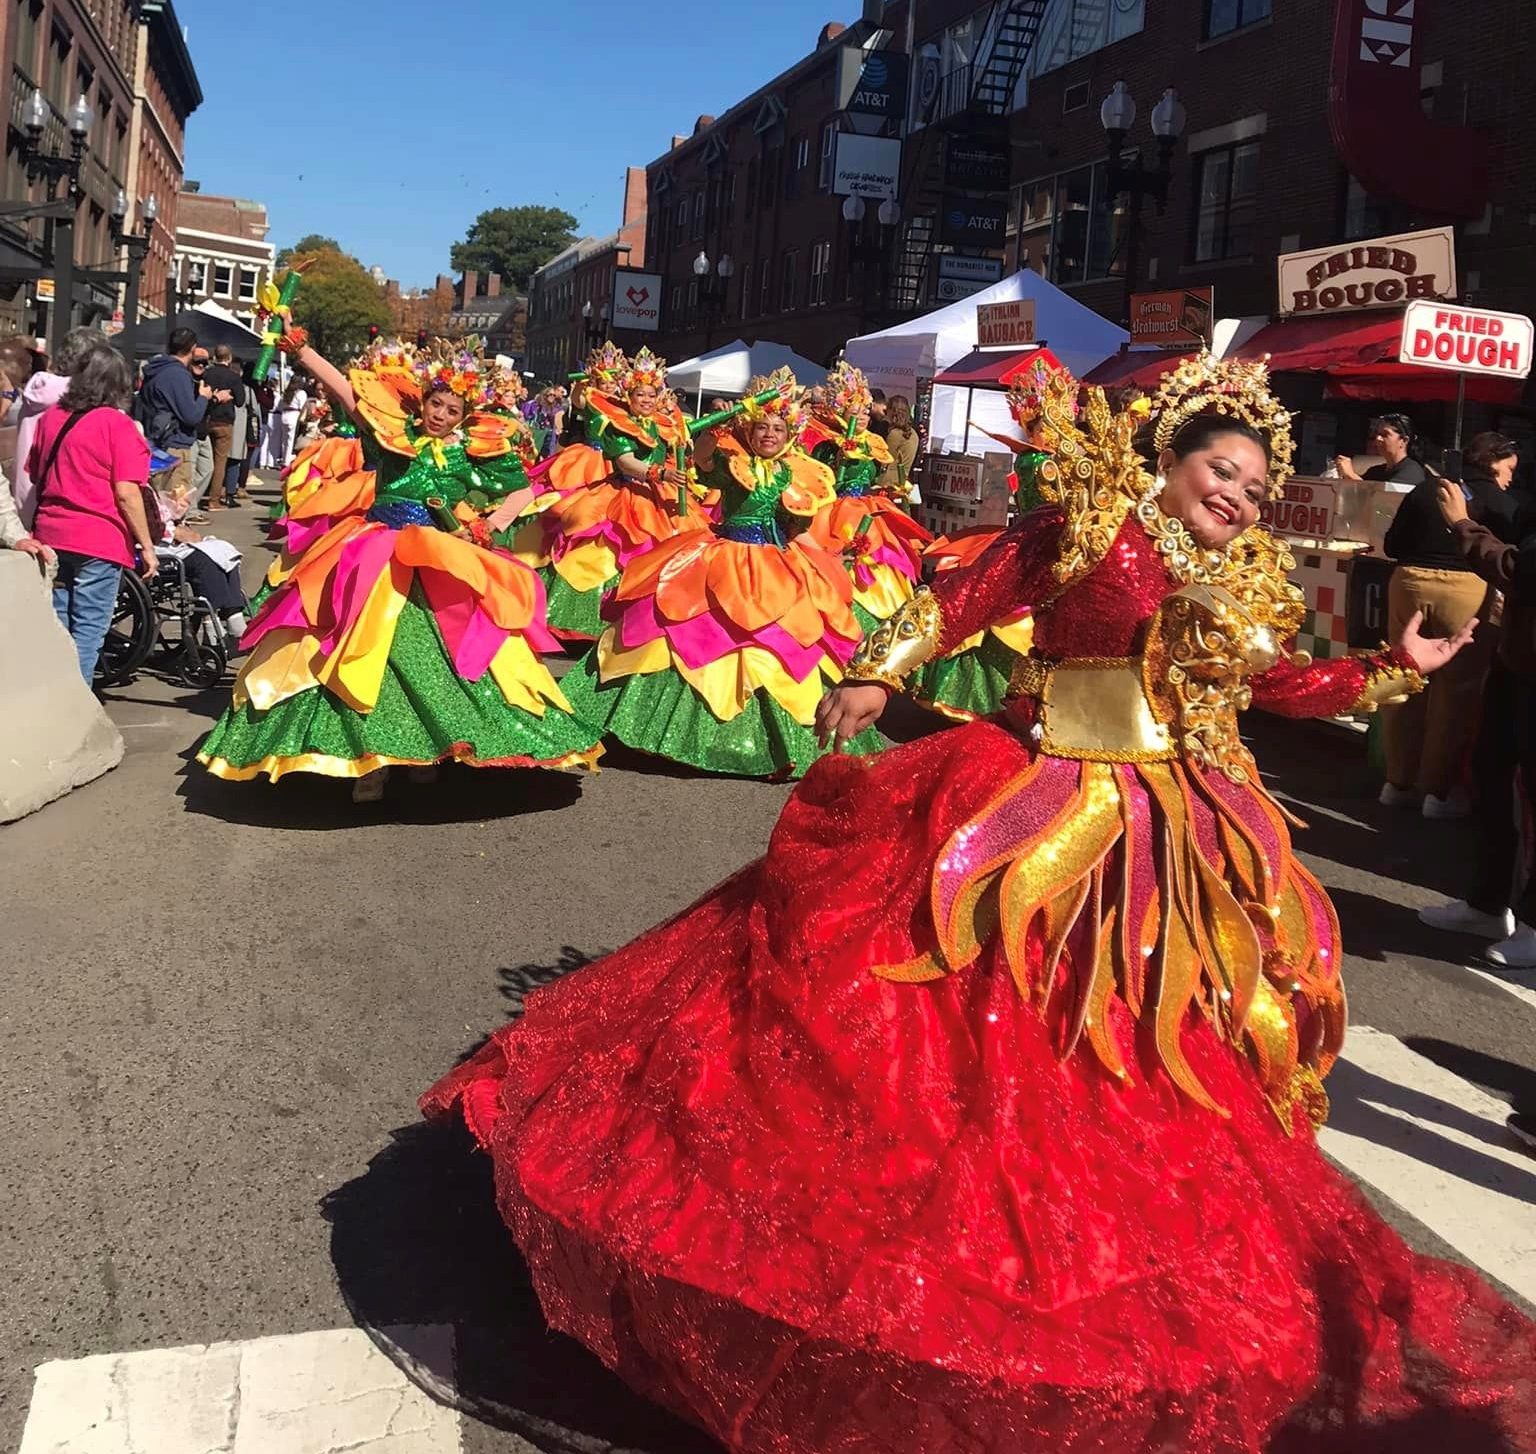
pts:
[58, 70]
[223, 280]
[248, 281]
[1222, 17]
[699, 205]
[821, 265]
[730, 195]
[828, 155]
[787, 283]
[1368, 216]
[1226, 198]
[746, 290]
[751, 198]
[765, 291]
[1068, 227]
[24, 42]
[802, 149]
[197, 276]
[682, 215]
[773, 159]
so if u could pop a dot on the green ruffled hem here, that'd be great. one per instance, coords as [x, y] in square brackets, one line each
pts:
[660, 713]
[572, 612]
[972, 684]
[425, 713]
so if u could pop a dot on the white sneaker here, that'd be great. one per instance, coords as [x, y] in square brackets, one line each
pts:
[1459, 917]
[1516, 952]
[370, 789]
[1454, 806]
[1396, 797]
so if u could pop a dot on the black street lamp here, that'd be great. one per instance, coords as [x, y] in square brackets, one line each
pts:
[1137, 180]
[714, 286]
[868, 250]
[58, 167]
[594, 323]
[137, 244]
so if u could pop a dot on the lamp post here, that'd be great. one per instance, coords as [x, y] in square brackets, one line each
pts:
[1137, 180]
[58, 167]
[870, 251]
[714, 287]
[137, 244]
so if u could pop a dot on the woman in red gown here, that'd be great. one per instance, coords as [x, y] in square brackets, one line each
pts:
[977, 1116]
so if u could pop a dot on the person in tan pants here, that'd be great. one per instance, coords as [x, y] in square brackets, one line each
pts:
[1428, 740]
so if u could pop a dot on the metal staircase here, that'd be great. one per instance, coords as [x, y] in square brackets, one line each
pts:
[985, 94]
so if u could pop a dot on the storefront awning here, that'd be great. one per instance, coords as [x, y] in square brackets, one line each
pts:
[1141, 369]
[994, 368]
[1358, 353]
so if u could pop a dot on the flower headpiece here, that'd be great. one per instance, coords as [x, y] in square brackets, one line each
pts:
[1233, 388]
[443, 364]
[644, 371]
[606, 367]
[848, 390]
[788, 405]
[1026, 394]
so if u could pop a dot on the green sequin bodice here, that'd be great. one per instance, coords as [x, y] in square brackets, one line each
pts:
[754, 516]
[856, 474]
[649, 449]
[1026, 469]
[422, 478]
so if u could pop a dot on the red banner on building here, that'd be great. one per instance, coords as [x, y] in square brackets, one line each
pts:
[1377, 115]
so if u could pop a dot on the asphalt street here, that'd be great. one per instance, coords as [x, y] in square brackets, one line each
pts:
[220, 1002]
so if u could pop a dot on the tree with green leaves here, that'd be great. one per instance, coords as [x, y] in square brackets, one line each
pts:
[514, 241]
[338, 302]
[314, 242]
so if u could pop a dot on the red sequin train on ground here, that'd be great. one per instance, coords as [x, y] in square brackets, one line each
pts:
[972, 1119]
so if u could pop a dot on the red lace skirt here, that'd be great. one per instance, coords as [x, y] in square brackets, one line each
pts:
[816, 1211]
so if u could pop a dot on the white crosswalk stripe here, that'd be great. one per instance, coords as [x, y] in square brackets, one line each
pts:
[1521, 983]
[1423, 1137]
[309, 1393]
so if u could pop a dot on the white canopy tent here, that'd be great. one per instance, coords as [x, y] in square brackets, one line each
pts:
[896, 358]
[726, 370]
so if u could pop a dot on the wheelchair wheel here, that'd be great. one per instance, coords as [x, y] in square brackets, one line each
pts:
[132, 634]
[201, 664]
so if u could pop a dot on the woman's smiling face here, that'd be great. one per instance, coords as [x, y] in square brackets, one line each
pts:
[1216, 490]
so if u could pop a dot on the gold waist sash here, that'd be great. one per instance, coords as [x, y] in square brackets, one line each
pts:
[1094, 709]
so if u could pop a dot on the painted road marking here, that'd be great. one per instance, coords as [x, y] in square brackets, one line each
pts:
[1437, 1146]
[308, 1393]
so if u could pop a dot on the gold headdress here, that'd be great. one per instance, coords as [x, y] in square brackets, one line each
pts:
[1231, 387]
[442, 364]
[606, 366]
[847, 390]
[643, 371]
[788, 405]
[1026, 394]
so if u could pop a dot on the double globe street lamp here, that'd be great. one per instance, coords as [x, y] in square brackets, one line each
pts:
[1134, 177]
[137, 244]
[56, 167]
[866, 250]
[714, 280]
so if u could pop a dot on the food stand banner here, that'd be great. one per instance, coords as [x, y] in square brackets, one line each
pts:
[1181, 319]
[1385, 272]
[1304, 510]
[1010, 325]
[955, 477]
[1469, 340]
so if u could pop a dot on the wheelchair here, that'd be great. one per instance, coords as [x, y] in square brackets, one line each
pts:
[168, 619]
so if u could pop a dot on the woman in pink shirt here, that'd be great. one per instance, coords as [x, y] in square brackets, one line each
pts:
[90, 463]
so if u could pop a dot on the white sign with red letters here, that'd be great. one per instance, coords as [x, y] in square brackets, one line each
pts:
[1467, 340]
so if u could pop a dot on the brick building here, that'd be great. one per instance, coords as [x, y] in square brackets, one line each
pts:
[117, 59]
[570, 297]
[1289, 143]
[222, 252]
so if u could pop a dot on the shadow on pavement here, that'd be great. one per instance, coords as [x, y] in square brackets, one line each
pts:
[1502, 1077]
[416, 1241]
[308, 802]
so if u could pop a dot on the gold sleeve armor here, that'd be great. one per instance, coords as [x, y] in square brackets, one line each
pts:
[900, 645]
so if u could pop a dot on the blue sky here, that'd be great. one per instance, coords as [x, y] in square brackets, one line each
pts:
[392, 124]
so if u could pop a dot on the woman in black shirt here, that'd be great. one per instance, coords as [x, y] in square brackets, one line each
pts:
[1427, 741]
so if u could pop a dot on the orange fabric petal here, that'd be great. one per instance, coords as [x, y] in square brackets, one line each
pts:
[752, 584]
[680, 577]
[506, 588]
[311, 577]
[576, 466]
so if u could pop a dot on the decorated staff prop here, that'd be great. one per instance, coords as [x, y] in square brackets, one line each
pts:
[276, 315]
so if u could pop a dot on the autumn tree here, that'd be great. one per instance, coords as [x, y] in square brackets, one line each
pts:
[338, 303]
[314, 242]
[514, 241]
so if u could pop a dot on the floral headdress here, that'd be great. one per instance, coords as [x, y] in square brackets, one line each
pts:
[788, 403]
[1234, 388]
[606, 367]
[1026, 394]
[644, 371]
[461, 368]
[847, 390]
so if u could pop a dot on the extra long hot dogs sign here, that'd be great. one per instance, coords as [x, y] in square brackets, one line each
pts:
[1383, 272]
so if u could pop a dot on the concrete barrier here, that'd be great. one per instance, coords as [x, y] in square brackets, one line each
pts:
[54, 736]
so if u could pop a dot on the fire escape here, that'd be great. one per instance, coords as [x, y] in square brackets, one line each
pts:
[971, 99]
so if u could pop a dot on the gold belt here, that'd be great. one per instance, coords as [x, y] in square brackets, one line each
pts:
[1094, 709]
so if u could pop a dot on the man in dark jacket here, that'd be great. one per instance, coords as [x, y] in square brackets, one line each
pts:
[228, 398]
[172, 405]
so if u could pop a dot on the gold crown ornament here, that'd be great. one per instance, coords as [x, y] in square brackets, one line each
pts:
[606, 366]
[644, 371]
[442, 364]
[847, 390]
[787, 404]
[1235, 388]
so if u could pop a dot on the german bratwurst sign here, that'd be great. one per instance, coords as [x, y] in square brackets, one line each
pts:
[1385, 272]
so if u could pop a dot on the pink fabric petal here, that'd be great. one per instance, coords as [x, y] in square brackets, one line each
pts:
[364, 558]
[282, 610]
